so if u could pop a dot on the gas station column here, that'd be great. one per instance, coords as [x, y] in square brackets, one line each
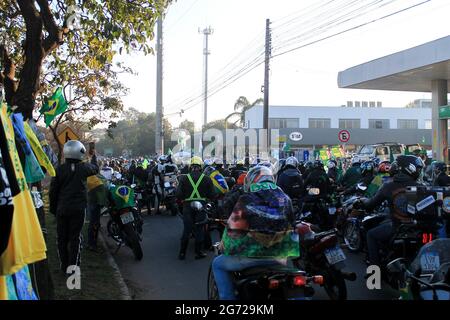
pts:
[440, 126]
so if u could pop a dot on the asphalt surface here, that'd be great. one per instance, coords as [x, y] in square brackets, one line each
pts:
[161, 276]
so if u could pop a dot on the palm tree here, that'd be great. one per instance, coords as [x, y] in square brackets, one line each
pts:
[242, 105]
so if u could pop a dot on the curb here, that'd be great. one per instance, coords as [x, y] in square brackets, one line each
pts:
[125, 292]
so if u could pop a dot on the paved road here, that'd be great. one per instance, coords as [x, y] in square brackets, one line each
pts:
[160, 275]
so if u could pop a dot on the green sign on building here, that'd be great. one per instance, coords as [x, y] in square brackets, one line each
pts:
[444, 112]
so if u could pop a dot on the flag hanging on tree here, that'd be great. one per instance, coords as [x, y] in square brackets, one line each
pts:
[57, 104]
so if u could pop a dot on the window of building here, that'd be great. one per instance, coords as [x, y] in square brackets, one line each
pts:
[349, 123]
[427, 124]
[407, 124]
[281, 123]
[378, 123]
[319, 123]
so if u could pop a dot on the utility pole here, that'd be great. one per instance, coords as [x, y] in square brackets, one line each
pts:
[159, 134]
[206, 32]
[266, 81]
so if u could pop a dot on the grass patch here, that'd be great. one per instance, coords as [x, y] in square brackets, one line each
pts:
[97, 279]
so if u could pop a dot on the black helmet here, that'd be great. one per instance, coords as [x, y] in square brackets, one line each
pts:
[318, 164]
[291, 162]
[367, 167]
[440, 166]
[393, 169]
[309, 165]
[410, 165]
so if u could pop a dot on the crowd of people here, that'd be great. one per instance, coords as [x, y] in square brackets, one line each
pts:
[256, 200]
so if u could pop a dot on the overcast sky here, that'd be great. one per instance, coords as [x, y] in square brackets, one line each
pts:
[307, 76]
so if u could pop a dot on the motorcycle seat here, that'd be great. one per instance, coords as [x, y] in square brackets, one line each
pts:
[264, 270]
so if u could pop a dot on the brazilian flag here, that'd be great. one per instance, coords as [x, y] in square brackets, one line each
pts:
[57, 104]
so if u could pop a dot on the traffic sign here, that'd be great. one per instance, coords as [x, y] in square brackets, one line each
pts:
[344, 136]
[66, 135]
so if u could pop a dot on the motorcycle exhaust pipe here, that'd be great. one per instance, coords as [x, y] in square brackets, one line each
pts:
[350, 276]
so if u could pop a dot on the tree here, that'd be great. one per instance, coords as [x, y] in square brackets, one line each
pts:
[218, 124]
[40, 48]
[242, 105]
[187, 125]
[135, 132]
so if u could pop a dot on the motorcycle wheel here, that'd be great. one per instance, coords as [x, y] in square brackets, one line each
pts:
[133, 241]
[334, 285]
[213, 293]
[352, 237]
[113, 232]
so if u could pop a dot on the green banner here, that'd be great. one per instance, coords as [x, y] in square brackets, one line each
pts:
[444, 112]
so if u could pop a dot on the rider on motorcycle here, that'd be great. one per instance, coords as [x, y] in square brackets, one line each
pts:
[194, 186]
[290, 180]
[410, 168]
[367, 174]
[318, 179]
[332, 170]
[381, 177]
[441, 179]
[352, 175]
[259, 231]
[238, 169]
[218, 164]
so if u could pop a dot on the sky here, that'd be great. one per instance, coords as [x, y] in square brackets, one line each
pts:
[303, 77]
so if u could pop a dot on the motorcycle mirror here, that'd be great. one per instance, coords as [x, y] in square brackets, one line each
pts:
[209, 206]
[133, 186]
[314, 191]
[396, 266]
[362, 187]
[196, 205]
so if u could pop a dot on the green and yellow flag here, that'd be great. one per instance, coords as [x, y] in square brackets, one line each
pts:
[57, 104]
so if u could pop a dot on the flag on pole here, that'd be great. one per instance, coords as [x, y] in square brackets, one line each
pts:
[54, 106]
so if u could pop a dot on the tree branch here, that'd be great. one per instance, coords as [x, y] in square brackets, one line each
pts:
[55, 34]
[8, 76]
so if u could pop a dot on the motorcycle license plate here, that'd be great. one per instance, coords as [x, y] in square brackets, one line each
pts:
[430, 262]
[334, 255]
[332, 210]
[139, 196]
[127, 217]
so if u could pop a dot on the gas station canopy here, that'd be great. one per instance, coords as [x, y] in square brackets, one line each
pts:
[409, 70]
[425, 68]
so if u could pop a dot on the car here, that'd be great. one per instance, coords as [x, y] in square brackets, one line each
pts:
[386, 151]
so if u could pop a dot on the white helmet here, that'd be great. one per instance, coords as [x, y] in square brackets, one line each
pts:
[74, 149]
[218, 161]
[355, 159]
[291, 161]
[331, 164]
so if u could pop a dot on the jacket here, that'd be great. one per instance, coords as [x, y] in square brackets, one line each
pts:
[261, 224]
[291, 182]
[185, 188]
[68, 189]
[388, 192]
[319, 179]
[351, 176]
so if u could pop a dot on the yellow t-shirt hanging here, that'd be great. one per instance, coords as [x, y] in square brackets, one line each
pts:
[26, 243]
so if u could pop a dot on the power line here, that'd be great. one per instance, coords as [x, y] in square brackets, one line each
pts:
[181, 16]
[350, 29]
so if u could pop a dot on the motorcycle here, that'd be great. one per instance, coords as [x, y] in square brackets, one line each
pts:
[170, 183]
[320, 253]
[317, 210]
[267, 283]
[125, 225]
[428, 276]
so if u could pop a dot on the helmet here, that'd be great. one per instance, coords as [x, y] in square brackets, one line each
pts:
[355, 160]
[258, 174]
[218, 161]
[240, 162]
[331, 164]
[162, 158]
[240, 181]
[74, 149]
[367, 167]
[292, 162]
[318, 164]
[410, 165]
[376, 162]
[208, 162]
[393, 169]
[196, 161]
[440, 166]
[384, 167]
